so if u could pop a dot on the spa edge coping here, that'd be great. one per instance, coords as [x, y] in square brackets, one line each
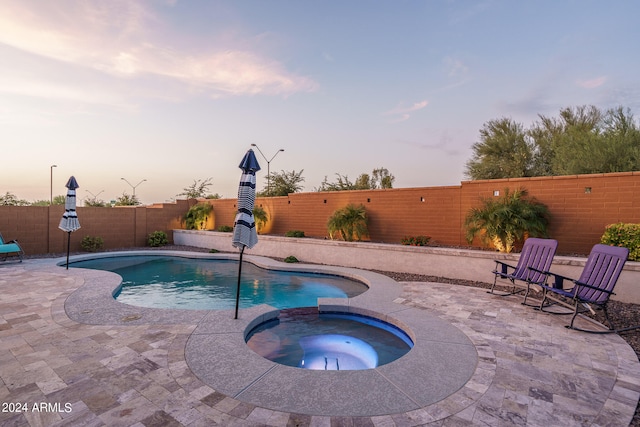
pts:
[443, 367]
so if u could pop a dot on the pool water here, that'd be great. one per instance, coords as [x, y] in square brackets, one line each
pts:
[205, 284]
[307, 339]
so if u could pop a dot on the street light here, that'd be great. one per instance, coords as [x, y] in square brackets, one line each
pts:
[268, 165]
[51, 182]
[95, 196]
[133, 186]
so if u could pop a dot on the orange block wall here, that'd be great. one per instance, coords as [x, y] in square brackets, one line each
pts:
[581, 206]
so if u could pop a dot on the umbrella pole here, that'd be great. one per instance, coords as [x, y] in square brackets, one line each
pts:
[68, 245]
[238, 288]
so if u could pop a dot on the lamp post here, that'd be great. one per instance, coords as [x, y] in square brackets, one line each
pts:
[268, 167]
[133, 186]
[51, 183]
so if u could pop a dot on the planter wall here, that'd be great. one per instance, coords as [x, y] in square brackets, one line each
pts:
[444, 262]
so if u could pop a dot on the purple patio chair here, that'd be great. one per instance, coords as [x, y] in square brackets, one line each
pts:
[532, 268]
[593, 288]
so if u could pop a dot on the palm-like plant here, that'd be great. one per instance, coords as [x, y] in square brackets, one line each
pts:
[507, 220]
[197, 216]
[350, 222]
[261, 217]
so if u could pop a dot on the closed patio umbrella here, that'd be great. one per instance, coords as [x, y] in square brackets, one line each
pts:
[244, 228]
[69, 221]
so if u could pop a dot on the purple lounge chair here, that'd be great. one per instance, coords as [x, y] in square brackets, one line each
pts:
[532, 268]
[594, 287]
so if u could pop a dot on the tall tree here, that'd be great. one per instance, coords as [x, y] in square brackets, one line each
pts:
[10, 199]
[502, 152]
[127, 200]
[379, 178]
[283, 183]
[585, 140]
[580, 140]
[196, 190]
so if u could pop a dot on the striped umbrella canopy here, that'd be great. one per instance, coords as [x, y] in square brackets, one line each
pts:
[69, 221]
[244, 228]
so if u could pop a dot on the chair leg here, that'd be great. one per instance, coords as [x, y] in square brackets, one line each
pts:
[514, 289]
[610, 329]
[526, 295]
[495, 279]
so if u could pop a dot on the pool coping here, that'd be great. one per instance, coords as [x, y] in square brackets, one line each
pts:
[443, 373]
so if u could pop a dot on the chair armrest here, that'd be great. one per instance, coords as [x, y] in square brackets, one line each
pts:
[558, 282]
[501, 267]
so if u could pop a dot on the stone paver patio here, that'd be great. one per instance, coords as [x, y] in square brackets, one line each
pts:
[57, 371]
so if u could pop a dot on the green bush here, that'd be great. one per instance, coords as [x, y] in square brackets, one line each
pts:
[294, 233]
[157, 239]
[291, 259]
[213, 251]
[625, 235]
[415, 240]
[225, 228]
[197, 216]
[92, 244]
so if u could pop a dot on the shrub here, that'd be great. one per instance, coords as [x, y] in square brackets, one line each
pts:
[197, 216]
[291, 259]
[260, 217]
[92, 244]
[625, 235]
[506, 220]
[157, 239]
[415, 240]
[350, 222]
[225, 228]
[213, 251]
[294, 233]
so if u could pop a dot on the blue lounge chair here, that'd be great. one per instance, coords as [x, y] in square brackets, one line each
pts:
[593, 288]
[535, 259]
[11, 248]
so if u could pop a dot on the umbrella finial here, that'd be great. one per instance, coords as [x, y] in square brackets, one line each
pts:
[72, 184]
[249, 162]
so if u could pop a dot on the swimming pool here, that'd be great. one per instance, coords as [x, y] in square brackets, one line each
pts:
[206, 284]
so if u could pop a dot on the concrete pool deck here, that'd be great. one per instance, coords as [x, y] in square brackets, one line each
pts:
[122, 365]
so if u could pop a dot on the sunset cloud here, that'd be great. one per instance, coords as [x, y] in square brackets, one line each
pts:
[401, 110]
[592, 83]
[113, 38]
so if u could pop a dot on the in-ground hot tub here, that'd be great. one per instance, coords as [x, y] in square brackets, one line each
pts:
[305, 338]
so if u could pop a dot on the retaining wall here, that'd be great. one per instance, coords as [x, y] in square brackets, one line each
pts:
[443, 262]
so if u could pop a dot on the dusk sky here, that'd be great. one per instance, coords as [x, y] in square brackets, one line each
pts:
[174, 91]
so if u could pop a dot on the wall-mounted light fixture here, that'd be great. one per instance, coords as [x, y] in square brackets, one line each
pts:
[496, 193]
